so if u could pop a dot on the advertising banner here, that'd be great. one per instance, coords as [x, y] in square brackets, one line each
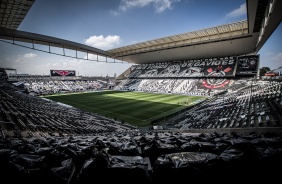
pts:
[62, 73]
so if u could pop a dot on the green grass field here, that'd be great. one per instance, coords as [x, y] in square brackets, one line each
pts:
[136, 108]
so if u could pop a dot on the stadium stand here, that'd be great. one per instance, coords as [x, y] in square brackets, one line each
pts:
[237, 129]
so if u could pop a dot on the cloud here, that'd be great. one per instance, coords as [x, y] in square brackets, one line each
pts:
[271, 60]
[242, 10]
[114, 12]
[24, 58]
[30, 55]
[159, 5]
[278, 57]
[102, 42]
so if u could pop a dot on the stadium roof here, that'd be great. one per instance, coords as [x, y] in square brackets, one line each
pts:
[12, 12]
[238, 38]
[204, 43]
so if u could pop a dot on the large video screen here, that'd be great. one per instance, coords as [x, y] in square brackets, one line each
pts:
[247, 65]
[62, 73]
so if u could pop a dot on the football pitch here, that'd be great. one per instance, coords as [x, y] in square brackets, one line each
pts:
[135, 108]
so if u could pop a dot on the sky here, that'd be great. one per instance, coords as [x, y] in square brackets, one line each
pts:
[108, 24]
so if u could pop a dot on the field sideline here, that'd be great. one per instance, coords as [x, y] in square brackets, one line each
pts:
[136, 108]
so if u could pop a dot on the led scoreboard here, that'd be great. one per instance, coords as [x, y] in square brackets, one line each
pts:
[247, 65]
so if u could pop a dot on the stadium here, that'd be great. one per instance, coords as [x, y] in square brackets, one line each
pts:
[192, 107]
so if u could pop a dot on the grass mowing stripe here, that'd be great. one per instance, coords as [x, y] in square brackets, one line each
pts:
[146, 96]
[137, 108]
[116, 113]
